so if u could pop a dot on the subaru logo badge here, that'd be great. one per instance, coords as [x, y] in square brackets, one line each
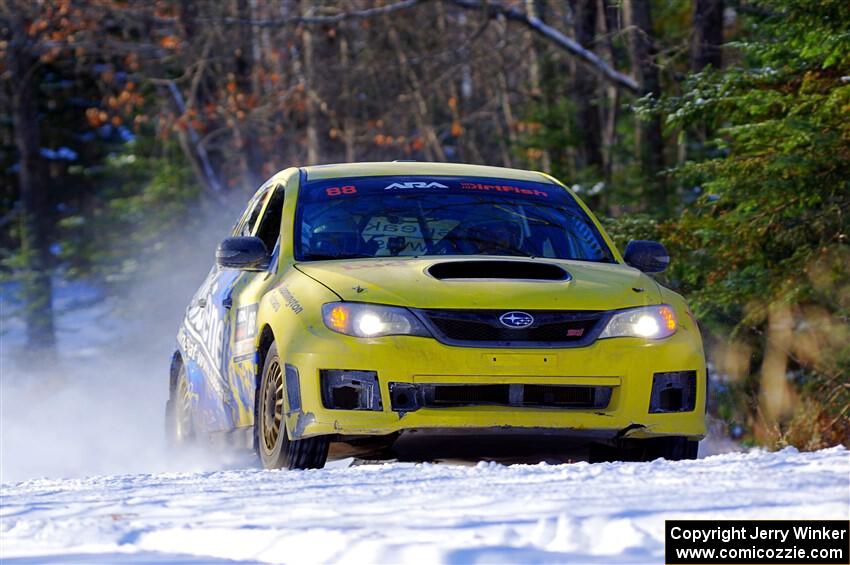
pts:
[516, 320]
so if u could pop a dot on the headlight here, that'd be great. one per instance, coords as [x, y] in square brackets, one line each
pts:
[371, 320]
[650, 322]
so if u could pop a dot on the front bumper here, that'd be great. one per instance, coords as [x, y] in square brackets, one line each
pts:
[626, 365]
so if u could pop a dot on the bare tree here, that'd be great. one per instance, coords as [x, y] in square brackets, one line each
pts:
[649, 139]
[349, 124]
[308, 70]
[585, 89]
[594, 62]
[434, 149]
[535, 69]
[248, 85]
[610, 23]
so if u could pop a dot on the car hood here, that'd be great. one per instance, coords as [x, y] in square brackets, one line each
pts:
[406, 282]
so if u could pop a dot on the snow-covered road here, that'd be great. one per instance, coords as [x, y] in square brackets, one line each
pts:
[411, 512]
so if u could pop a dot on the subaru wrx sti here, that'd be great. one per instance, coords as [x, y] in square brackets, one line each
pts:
[367, 302]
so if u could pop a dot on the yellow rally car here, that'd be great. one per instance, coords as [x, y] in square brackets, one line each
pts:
[359, 304]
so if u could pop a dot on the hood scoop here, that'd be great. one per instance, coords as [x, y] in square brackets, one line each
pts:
[506, 270]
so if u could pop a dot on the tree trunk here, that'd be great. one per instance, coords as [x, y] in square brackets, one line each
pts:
[610, 25]
[535, 73]
[585, 91]
[508, 118]
[706, 51]
[708, 35]
[35, 240]
[649, 143]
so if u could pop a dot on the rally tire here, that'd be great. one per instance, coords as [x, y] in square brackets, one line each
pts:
[275, 449]
[179, 422]
[672, 448]
[679, 449]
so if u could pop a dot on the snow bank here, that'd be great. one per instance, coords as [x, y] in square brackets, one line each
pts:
[607, 512]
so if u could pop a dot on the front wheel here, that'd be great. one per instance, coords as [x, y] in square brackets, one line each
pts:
[275, 448]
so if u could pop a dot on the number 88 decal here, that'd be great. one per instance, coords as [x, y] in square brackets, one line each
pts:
[337, 190]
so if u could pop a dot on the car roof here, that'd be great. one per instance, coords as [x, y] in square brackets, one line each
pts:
[391, 168]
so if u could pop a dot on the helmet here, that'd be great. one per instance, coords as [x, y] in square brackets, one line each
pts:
[501, 236]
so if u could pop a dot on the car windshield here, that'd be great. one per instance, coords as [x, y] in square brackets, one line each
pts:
[439, 215]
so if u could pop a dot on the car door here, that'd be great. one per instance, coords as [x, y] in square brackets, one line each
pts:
[204, 337]
[245, 295]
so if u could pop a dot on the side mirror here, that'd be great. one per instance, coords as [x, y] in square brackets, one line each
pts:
[243, 253]
[648, 256]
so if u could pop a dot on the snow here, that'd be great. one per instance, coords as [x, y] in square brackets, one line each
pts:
[402, 512]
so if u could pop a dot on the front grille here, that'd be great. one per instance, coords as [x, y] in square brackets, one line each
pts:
[556, 328]
[409, 397]
[471, 394]
[558, 395]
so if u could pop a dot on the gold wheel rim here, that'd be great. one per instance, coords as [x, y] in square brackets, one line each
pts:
[184, 410]
[272, 406]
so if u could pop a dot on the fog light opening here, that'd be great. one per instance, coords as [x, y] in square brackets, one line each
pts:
[350, 390]
[673, 392]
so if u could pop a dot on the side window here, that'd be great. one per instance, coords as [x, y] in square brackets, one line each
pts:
[269, 229]
[252, 212]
